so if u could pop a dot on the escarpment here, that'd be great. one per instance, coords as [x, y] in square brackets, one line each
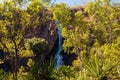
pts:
[47, 31]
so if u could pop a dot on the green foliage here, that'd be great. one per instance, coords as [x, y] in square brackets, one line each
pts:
[37, 7]
[96, 41]
[104, 27]
[1, 73]
[99, 68]
[15, 23]
[30, 63]
[65, 72]
[42, 70]
[61, 14]
[83, 75]
[37, 45]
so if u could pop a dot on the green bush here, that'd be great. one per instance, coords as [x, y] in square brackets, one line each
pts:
[37, 45]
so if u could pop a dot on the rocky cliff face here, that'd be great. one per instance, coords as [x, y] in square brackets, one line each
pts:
[47, 31]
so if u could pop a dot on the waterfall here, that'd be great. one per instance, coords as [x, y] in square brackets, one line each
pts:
[58, 56]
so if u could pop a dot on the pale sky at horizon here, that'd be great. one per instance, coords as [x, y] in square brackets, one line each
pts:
[79, 2]
[74, 2]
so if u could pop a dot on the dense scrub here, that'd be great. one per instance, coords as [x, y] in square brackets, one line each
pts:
[93, 35]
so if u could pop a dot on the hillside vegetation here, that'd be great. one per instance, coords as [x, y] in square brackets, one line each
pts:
[91, 32]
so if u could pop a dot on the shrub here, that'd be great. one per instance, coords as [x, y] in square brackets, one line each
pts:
[37, 45]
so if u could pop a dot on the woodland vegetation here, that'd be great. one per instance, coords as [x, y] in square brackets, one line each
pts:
[92, 34]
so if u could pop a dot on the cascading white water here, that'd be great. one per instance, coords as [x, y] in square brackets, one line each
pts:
[58, 56]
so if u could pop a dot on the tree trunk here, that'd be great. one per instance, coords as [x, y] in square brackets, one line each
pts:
[16, 58]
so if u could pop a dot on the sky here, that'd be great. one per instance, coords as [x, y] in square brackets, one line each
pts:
[78, 2]
[74, 2]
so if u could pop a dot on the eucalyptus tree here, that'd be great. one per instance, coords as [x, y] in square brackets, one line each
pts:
[74, 30]
[15, 23]
[13, 30]
[102, 26]
[104, 20]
